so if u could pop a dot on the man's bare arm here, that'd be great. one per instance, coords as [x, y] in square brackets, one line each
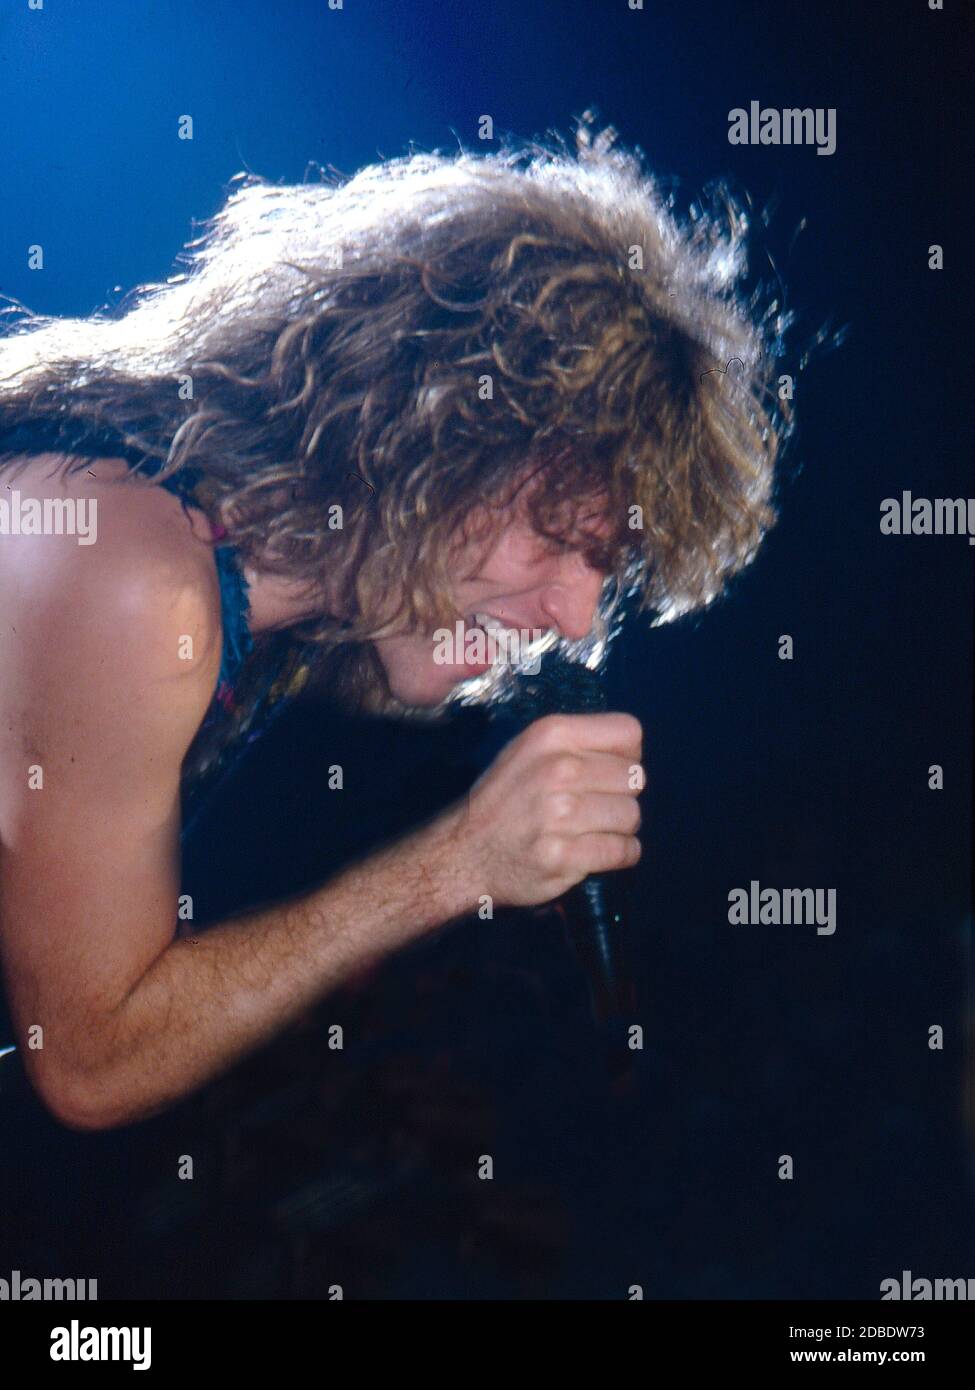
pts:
[97, 714]
[208, 1000]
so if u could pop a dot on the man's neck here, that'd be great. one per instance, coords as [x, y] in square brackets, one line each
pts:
[274, 601]
[277, 602]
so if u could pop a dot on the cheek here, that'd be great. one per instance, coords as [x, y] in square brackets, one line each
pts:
[409, 665]
[397, 652]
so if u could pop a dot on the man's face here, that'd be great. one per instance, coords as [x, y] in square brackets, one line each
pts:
[523, 582]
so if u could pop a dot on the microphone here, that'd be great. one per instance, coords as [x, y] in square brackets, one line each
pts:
[593, 911]
[564, 676]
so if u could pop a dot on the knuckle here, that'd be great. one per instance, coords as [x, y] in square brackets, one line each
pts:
[551, 854]
[562, 806]
[564, 770]
[550, 731]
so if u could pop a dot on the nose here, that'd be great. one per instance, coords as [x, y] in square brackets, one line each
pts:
[569, 602]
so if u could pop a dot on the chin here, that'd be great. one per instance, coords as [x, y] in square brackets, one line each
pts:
[423, 693]
[418, 686]
[425, 700]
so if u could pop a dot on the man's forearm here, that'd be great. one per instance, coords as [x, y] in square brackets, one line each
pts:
[210, 999]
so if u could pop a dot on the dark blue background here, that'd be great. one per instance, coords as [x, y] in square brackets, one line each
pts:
[760, 1041]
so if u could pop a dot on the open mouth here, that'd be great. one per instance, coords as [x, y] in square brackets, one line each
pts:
[502, 645]
[487, 624]
[490, 637]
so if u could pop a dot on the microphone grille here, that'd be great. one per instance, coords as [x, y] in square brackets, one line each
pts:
[558, 687]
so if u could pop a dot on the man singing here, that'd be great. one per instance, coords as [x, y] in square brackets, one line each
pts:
[446, 390]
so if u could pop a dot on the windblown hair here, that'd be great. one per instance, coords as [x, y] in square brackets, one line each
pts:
[406, 342]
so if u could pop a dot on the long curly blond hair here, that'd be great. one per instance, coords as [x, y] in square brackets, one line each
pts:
[403, 343]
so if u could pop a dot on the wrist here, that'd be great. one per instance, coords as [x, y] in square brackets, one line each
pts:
[447, 867]
[412, 886]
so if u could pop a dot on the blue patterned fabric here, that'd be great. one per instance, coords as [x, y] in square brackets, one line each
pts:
[234, 610]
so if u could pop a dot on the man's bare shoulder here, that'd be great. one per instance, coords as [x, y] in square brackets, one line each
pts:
[125, 552]
[126, 616]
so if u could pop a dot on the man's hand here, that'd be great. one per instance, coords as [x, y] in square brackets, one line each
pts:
[558, 803]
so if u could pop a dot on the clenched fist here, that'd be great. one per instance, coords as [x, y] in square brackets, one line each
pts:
[558, 803]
